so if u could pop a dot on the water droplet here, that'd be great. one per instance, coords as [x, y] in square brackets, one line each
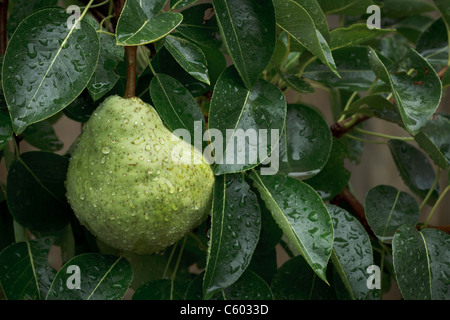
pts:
[82, 196]
[180, 189]
[103, 160]
[147, 147]
[106, 150]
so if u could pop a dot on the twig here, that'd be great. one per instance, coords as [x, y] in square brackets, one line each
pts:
[131, 53]
[442, 72]
[342, 127]
[3, 21]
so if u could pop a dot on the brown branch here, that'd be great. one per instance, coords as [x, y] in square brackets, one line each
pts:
[131, 56]
[442, 72]
[339, 128]
[130, 89]
[3, 31]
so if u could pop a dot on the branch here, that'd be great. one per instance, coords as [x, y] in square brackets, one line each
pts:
[442, 72]
[340, 128]
[131, 52]
[130, 89]
[3, 31]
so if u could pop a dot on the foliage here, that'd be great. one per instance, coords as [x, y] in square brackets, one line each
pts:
[231, 65]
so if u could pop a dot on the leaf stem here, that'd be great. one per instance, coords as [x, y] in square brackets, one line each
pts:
[172, 278]
[427, 221]
[130, 89]
[170, 260]
[382, 135]
[96, 5]
[430, 192]
[349, 102]
[364, 140]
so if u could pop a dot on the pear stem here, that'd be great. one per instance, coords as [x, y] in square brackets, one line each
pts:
[130, 89]
[131, 56]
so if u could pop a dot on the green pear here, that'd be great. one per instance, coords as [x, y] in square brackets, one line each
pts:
[127, 187]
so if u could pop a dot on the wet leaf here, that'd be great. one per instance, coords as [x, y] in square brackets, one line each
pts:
[249, 33]
[333, 178]
[177, 107]
[25, 272]
[296, 21]
[301, 214]
[434, 139]
[55, 65]
[415, 169]
[138, 25]
[42, 136]
[387, 209]
[36, 192]
[249, 122]
[352, 252]
[235, 228]
[354, 35]
[102, 277]
[421, 263]
[416, 94]
[306, 143]
[105, 76]
[296, 281]
[189, 56]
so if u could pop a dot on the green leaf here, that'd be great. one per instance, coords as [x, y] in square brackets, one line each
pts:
[415, 169]
[435, 140]
[438, 249]
[138, 26]
[417, 95]
[237, 113]
[235, 228]
[36, 192]
[249, 35]
[189, 56]
[179, 4]
[20, 9]
[200, 25]
[306, 143]
[249, 286]
[432, 44]
[349, 7]
[42, 136]
[296, 21]
[176, 106]
[354, 35]
[352, 251]
[444, 9]
[6, 226]
[82, 107]
[6, 129]
[378, 106]
[102, 277]
[354, 69]
[296, 83]
[25, 272]
[105, 77]
[315, 11]
[421, 263]
[162, 289]
[301, 214]
[387, 209]
[333, 178]
[296, 281]
[404, 8]
[55, 65]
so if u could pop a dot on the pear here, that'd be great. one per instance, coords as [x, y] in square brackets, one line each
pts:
[127, 187]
